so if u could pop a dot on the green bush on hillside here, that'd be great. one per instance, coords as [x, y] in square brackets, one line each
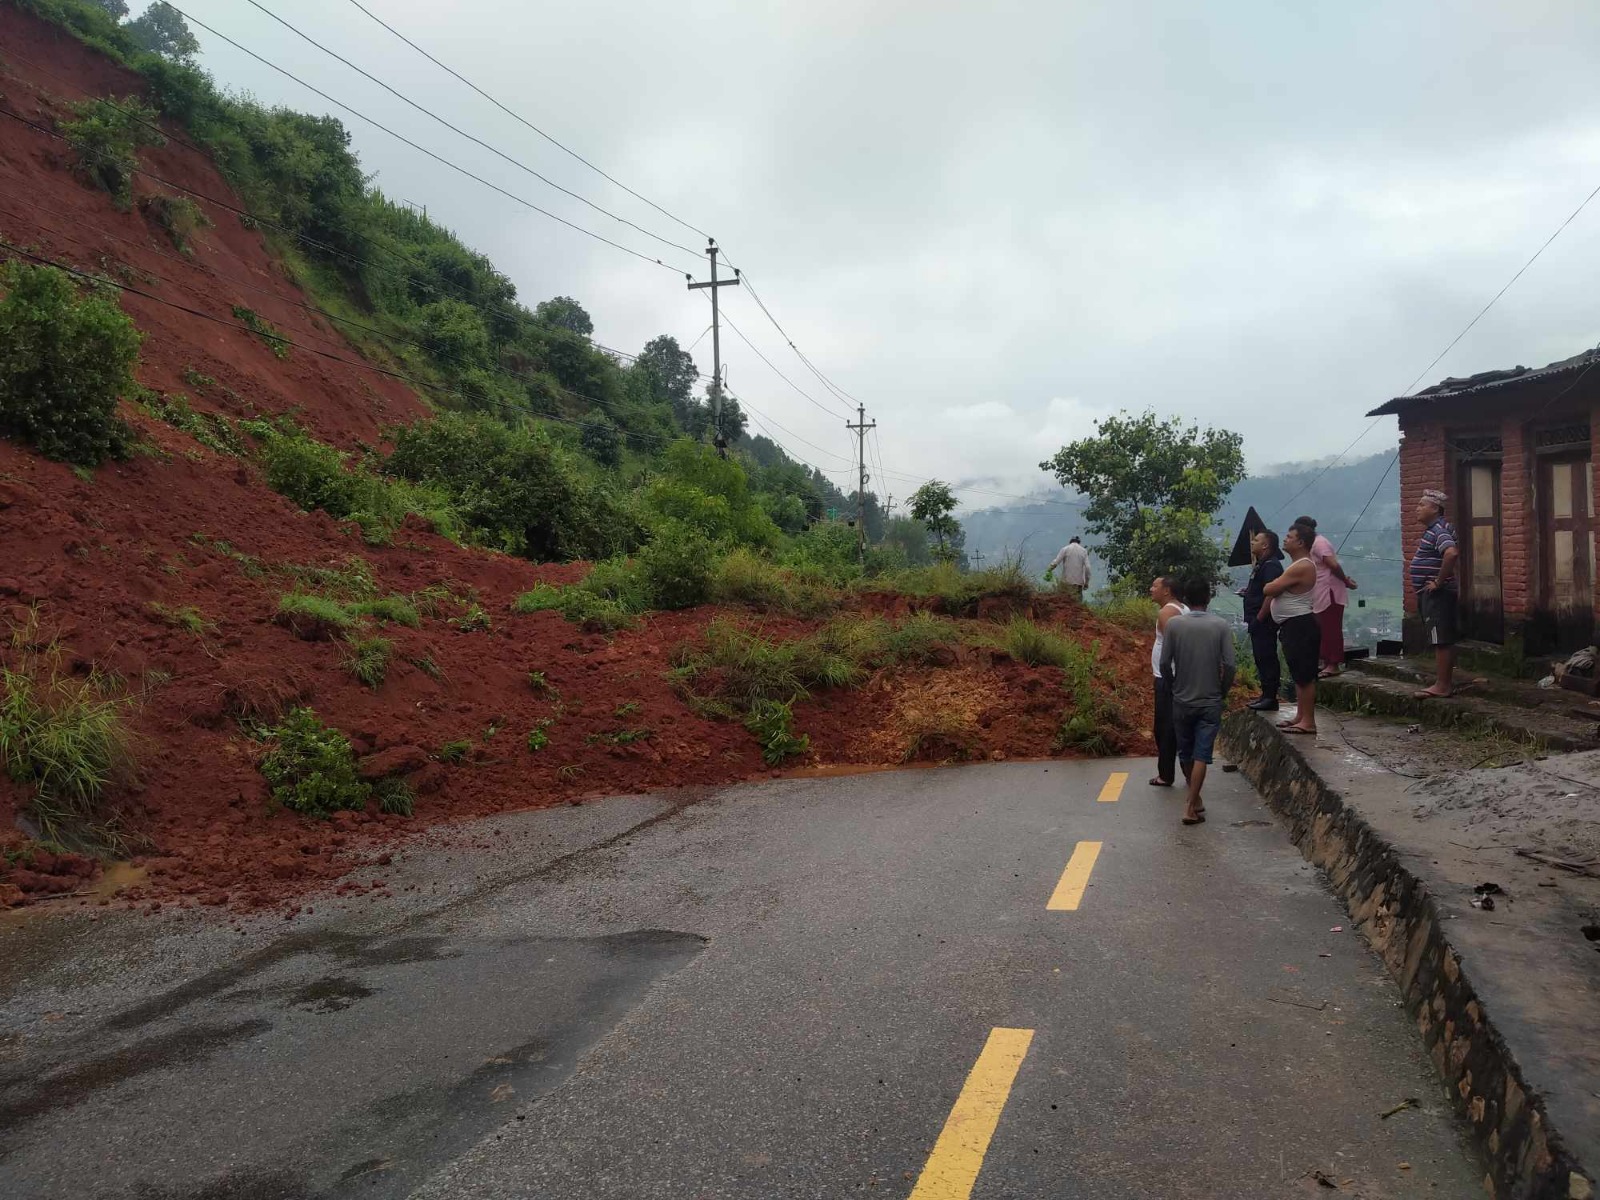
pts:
[65, 357]
[180, 216]
[310, 767]
[106, 136]
[315, 475]
[675, 569]
[516, 489]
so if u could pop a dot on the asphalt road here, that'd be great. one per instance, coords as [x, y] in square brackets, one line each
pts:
[891, 984]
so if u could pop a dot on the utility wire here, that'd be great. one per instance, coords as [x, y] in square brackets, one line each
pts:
[806, 395]
[280, 339]
[438, 158]
[518, 314]
[523, 121]
[521, 166]
[1437, 358]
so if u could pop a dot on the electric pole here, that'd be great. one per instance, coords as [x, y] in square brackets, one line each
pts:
[860, 430]
[977, 558]
[716, 338]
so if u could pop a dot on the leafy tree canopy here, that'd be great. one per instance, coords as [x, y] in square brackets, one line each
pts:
[933, 504]
[563, 312]
[162, 30]
[1153, 487]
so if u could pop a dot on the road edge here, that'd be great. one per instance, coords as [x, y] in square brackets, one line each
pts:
[1528, 1158]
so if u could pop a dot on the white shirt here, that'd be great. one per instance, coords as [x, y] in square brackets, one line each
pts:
[1074, 563]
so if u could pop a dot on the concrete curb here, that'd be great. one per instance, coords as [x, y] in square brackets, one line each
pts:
[1528, 1159]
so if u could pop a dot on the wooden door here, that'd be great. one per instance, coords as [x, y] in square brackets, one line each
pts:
[1567, 544]
[1482, 593]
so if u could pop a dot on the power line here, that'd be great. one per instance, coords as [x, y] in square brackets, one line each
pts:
[290, 342]
[806, 395]
[400, 137]
[522, 120]
[518, 314]
[1492, 301]
[399, 95]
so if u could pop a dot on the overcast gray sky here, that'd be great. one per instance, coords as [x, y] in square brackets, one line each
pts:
[994, 222]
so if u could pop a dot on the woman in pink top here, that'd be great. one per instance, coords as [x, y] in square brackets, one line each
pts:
[1329, 600]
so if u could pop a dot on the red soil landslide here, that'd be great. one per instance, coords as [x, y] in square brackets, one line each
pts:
[94, 558]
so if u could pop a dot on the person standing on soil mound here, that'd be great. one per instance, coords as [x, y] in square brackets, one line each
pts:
[1073, 562]
[1198, 663]
[1164, 591]
[1290, 601]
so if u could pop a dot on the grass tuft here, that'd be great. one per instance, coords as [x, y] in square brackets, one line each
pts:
[367, 660]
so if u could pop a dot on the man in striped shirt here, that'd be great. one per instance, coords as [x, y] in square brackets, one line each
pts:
[1433, 578]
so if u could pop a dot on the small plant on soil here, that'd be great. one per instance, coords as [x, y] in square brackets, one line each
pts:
[263, 329]
[619, 737]
[569, 772]
[1036, 645]
[596, 614]
[626, 709]
[313, 618]
[310, 767]
[454, 752]
[367, 660]
[395, 796]
[211, 430]
[62, 734]
[538, 682]
[106, 136]
[538, 738]
[389, 608]
[198, 381]
[65, 358]
[473, 620]
[428, 667]
[180, 216]
[1090, 723]
[772, 724]
[187, 617]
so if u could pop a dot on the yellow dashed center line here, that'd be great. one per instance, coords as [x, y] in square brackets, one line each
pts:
[957, 1156]
[1112, 792]
[1069, 892]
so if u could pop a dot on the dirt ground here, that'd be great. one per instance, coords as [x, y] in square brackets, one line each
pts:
[1548, 803]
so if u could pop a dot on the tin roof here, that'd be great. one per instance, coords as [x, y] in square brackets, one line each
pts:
[1485, 381]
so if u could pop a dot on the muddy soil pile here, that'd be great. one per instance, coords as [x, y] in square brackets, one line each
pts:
[166, 572]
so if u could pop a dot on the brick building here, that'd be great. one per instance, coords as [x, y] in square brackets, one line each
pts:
[1515, 452]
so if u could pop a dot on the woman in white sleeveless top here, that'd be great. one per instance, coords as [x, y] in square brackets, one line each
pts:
[1163, 592]
[1291, 602]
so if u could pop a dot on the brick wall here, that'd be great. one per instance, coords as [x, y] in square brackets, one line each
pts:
[1517, 534]
[1424, 463]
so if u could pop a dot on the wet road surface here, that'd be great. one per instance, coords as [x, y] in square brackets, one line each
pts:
[1013, 980]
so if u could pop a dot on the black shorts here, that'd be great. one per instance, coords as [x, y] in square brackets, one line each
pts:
[1301, 638]
[1441, 612]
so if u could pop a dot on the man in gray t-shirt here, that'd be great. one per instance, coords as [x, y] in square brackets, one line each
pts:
[1197, 659]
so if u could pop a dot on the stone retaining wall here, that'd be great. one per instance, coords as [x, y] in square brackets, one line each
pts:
[1392, 908]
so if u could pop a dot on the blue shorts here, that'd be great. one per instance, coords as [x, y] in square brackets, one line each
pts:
[1197, 731]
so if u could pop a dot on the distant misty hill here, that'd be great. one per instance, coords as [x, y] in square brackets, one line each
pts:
[1335, 499]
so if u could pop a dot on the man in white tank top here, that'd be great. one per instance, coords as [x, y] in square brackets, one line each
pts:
[1164, 592]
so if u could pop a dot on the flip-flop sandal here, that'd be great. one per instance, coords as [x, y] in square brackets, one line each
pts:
[1159, 782]
[1200, 820]
[1425, 694]
[1297, 729]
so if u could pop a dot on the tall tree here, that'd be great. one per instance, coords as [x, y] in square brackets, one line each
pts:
[1154, 487]
[117, 8]
[563, 312]
[933, 504]
[162, 30]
